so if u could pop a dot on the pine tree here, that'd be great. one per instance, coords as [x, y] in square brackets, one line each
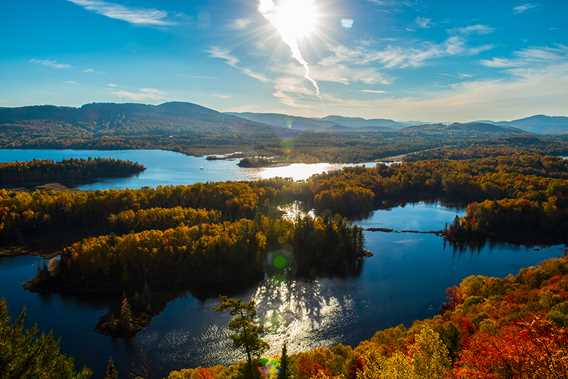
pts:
[27, 353]
[284, 370]
[111, 372]
[125, 312]
[246, 331]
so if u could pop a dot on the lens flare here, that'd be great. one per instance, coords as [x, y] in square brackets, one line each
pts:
[294, 20]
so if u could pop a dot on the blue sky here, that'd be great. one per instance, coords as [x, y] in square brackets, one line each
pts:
[430, 60]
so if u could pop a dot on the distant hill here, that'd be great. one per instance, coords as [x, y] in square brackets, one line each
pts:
[168, 118]
[358, 122]
[466, 129]
[293, 123]
[540, 124]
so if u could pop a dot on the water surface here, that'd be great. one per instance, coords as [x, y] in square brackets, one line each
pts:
[405, 280]
[171, 168]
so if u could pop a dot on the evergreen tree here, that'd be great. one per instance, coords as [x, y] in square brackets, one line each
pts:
[284, 372]
[125, 313]
[246, 331]
[27, 353]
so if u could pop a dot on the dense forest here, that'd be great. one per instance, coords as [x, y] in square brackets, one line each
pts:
[68, 172]
[514, 327]
[530, 190]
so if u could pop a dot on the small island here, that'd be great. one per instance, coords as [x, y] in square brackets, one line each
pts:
[70, 172]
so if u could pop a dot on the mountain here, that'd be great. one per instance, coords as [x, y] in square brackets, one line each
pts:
[132, 120]
[358, 122]
[465, 129]
[541, 124]
[292, 123]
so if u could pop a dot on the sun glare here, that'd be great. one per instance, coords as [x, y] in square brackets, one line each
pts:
[296, 19]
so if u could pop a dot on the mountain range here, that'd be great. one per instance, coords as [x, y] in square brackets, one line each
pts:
[192, 120]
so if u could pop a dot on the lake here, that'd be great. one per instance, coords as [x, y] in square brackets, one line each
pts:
[171, 168]
[405, 280]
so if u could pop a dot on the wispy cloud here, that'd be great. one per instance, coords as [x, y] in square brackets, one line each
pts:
[136, 16]
[226, 56]
[241, 23]
[532, 56]
[143, 94]
[89, 70]
[403, 57]
[373, 91]
[473, 29]
[423, 22]
[71, 82]
[50, 63]
[523, 8]
[112, 85]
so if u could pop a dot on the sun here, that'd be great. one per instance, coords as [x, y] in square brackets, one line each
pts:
[296, 19]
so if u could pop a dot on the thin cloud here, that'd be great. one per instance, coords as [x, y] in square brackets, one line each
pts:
[531, 56]
[423, 22]
[89, 70]
[231, 60]
[112, 85]
[136, 16]
[50, 63]
[143, 94]
[373, 91]
[524, 8]
[241, 23]
[473, 29]
[403, 57]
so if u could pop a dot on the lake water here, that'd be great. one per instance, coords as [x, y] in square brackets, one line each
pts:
[171, 168]
[405, 280]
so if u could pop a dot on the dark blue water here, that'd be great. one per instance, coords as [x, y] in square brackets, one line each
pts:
[404, 281]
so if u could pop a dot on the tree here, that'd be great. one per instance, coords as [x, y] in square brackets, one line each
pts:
[284, 372]
[27, 353]
[111, 372]
[430, 355]
[246, 331]
[125, 313]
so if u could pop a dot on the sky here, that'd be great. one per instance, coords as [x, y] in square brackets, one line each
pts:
[412, 60]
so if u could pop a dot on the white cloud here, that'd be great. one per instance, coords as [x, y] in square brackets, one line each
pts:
[423, 22]
[143, 94]
[112, 85]
[531, 56]
[50, 63]
[89, 70]
[347, 23]
[523, 8]
[474, 29]
[231, 60]
[402, 57]
[241, 23]
[136, 16]
[373, 91]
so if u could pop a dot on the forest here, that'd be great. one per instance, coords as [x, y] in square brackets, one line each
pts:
[68, 171]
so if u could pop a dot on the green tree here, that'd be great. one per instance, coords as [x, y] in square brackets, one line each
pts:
[246, 331]
[27, 353]
[111, 372]
[284, 372]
